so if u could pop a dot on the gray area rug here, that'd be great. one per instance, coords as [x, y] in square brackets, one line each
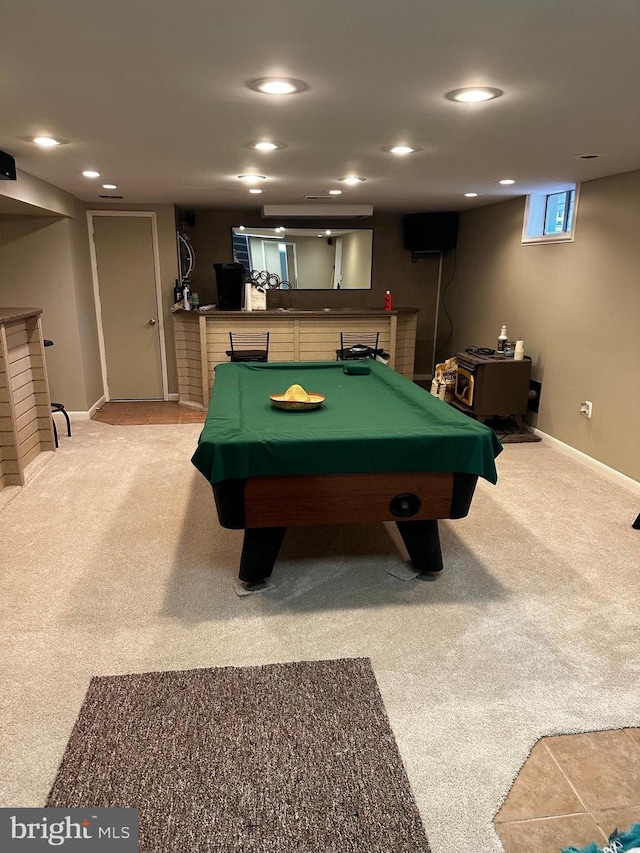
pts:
[293, 758]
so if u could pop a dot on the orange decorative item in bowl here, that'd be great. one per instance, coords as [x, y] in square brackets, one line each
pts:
[296, 399]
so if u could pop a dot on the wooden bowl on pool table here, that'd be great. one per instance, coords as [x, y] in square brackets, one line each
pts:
[278, 400]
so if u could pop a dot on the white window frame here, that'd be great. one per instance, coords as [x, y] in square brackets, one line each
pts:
[534, 213]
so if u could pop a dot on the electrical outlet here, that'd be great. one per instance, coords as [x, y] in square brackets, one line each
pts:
[586, 408]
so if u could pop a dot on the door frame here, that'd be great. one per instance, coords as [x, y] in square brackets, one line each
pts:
[151, 215]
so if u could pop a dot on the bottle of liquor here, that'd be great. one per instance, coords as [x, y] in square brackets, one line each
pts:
[502, 339]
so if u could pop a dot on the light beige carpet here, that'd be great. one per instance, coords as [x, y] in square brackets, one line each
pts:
[112, 563]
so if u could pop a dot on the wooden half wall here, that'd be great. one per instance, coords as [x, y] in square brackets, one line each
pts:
[26, 428]
[202, 340]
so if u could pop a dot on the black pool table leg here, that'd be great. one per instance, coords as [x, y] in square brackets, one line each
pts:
[422, 541]
[260, 552]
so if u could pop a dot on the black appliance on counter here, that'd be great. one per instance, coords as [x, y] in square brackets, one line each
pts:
[229, 285]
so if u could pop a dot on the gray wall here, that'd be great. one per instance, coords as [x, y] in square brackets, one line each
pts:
[576, 306]
[412, 284]
[45, 263]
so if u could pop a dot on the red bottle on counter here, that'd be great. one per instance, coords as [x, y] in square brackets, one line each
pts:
[387, 301]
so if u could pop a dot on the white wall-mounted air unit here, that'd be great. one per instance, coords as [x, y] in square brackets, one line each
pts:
[317, 211]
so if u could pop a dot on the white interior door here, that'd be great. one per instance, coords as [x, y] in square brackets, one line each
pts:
[126, 280]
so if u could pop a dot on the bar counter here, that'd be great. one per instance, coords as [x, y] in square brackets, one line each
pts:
[202, 339]
[26, 428]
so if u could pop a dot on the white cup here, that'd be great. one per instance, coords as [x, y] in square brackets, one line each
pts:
[518, 354]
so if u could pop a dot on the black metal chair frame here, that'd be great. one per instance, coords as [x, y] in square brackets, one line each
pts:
[57, 407]
[249, 346]
[354, 346]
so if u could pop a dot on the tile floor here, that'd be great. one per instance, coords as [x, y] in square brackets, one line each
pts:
[136, 413]
[572, 789]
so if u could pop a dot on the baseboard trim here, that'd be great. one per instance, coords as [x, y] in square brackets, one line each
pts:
[610, 473]
[85, 416]
[173, 397]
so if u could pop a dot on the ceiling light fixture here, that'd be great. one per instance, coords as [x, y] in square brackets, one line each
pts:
[507, 181]
[252, 179]
[277, 85]
[474, 94]
[266, 146]
[352, 181]
[335, 192]
[471, 195]
[91, 173]
[47, 141]
[255, 191]
[109, 187]
[401, 150]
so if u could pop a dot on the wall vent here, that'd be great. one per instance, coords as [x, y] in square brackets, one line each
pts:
[110, 196]
[317, 211]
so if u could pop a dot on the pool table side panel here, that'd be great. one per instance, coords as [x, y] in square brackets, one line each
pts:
[342, 498]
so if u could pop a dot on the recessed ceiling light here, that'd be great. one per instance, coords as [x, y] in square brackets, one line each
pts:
[328, 232]
[352, 181]
[109, 187]
[277, 85]
[474, 94]
[255, 191]
[471, 195]
[266, 146]
[91, 173]
[252, 179]
[47, 141]
[507, 181]
[335, 192]
[400, 149]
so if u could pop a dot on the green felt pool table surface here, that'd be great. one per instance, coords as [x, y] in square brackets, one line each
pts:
[378, 422]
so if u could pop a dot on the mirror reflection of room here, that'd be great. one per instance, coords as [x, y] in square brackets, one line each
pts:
[307, 258]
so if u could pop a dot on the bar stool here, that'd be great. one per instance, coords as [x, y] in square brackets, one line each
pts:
[249, 347]
[58, 407]
[354, 346]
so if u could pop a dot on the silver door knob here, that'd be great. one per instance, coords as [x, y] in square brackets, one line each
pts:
[151, 322]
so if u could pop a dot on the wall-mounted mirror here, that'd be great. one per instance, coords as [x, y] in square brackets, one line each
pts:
[307, 258]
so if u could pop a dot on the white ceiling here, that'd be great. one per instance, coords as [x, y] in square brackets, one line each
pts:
[153, 94]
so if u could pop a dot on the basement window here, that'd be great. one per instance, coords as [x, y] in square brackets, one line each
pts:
[551, 217]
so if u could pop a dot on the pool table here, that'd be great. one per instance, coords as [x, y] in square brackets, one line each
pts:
[379, 448]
